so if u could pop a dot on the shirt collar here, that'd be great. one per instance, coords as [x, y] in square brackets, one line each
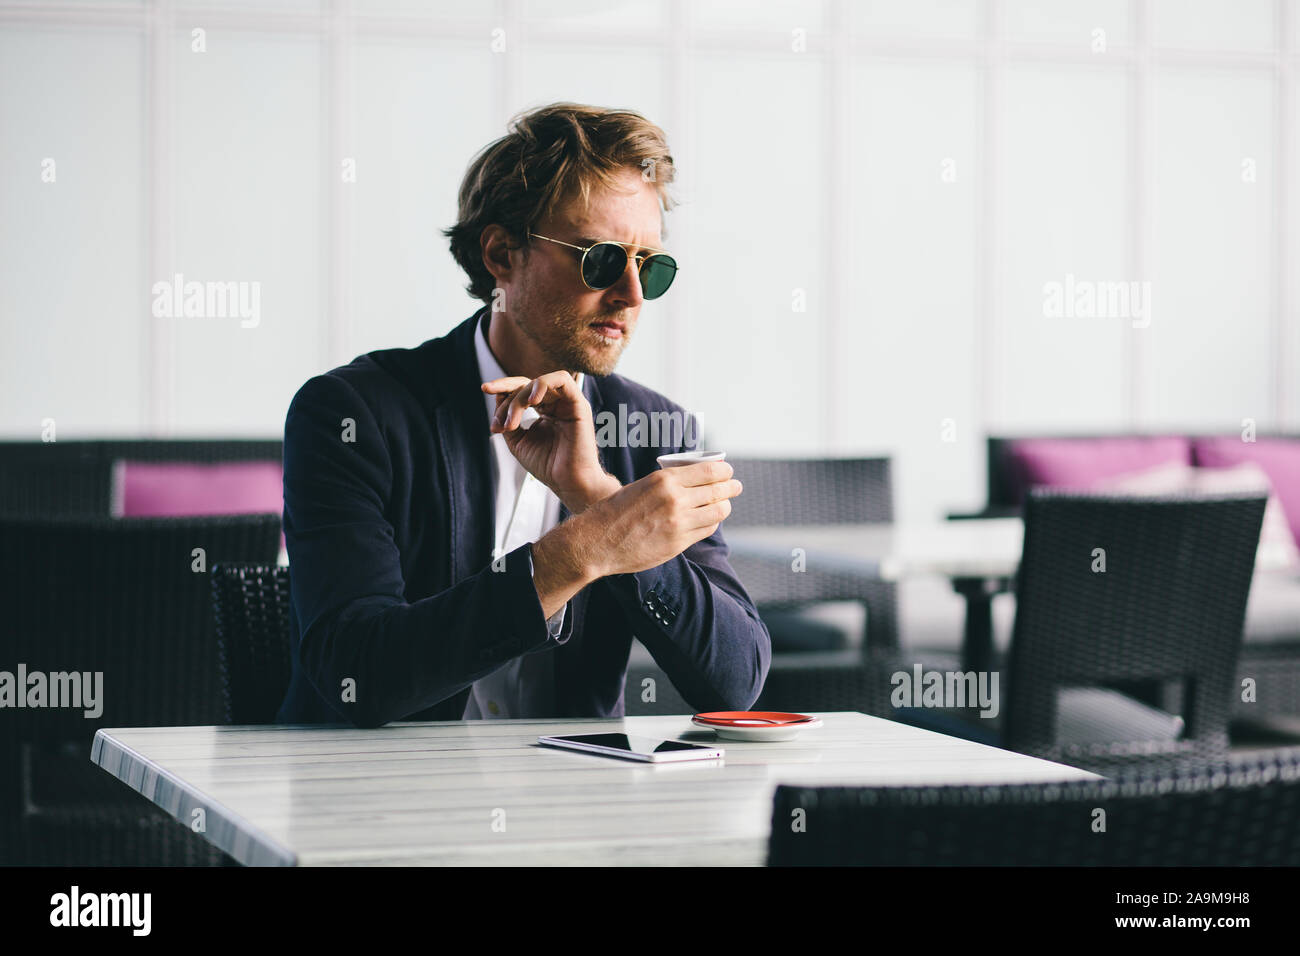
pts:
[488, 366]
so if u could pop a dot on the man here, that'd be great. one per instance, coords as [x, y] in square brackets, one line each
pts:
[460, 544]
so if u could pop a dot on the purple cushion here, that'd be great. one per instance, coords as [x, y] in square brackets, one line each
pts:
[1078, 462]
[1278, 457]
[176, 489]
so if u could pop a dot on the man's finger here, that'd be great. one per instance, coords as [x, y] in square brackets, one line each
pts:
[700, 496]
[702, 473]
[710, 515]
[507, 384]
[503, 407]
[552, 393]
[522, 399]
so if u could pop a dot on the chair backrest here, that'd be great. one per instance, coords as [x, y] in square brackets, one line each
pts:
[75, 478]
[794, 491]
[815, 491]
[130, 598]
[1007, 481]
[114, 615]
[251, 606]
[1115, 591]
[1202, 815]
[72, 483]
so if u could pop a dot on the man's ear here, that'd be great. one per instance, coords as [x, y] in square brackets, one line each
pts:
[494, 242]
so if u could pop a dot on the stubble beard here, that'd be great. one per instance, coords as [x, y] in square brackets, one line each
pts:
[565, 337]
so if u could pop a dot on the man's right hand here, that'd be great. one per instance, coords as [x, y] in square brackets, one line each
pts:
[638, 527]
[657, 517]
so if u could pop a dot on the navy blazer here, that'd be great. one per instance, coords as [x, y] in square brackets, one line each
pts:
[395, 606]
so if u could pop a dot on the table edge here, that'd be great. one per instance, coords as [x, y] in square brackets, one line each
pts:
[224, 838]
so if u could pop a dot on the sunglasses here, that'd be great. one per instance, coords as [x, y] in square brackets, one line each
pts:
[604, 263]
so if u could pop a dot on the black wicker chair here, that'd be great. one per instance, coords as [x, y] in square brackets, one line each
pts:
[251, 606]
[781, 491]
[1273, 664]
[1167, 613]
[849, 681]
[1168, 610]
[798, 491]
[74, 478]
[125, 598]
[1244, 812]
[814, 491]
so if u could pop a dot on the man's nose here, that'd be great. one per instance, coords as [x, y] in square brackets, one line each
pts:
[627, 290]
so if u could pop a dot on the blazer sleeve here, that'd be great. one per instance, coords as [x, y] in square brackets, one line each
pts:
[371, 655]
[697, 621]
[700, 626]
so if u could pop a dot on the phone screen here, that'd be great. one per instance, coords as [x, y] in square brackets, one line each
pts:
[634, 747]
[631, 744]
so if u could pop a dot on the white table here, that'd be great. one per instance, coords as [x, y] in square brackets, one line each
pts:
[970, 548]
[980, 556]
[966, 548]
[431, 793]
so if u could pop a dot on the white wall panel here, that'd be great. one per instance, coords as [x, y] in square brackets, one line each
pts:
[247, 208]
[755, 215]
[1211, 347]
[186, 9]
[904, 342]
[777, 16]
[1068, 22]
[435, 11]
[1290, 321]
[630, 16]
[1062, 218]
[74, 306]
[1246, 25]
[420, 114]
[908, 18]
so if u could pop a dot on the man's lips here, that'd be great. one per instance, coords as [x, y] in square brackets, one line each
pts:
[613, 330]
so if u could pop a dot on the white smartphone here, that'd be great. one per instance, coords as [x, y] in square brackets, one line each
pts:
[631, 747]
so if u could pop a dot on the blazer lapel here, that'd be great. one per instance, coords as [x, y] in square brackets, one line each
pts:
[464, 441]
[463, 438]
[460, 415]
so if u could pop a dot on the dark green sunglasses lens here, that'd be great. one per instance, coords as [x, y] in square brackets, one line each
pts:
[657, 274]
[603, 264]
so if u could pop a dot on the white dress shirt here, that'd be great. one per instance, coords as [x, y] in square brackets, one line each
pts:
[524, 686]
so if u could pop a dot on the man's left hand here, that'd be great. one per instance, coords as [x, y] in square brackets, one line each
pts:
[559, 449]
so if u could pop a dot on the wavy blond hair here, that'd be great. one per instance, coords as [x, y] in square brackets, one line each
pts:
[551, 154]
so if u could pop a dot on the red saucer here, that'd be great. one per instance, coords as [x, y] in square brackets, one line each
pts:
[752, 718]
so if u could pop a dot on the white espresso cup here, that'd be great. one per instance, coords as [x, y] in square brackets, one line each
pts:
[689, 458]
